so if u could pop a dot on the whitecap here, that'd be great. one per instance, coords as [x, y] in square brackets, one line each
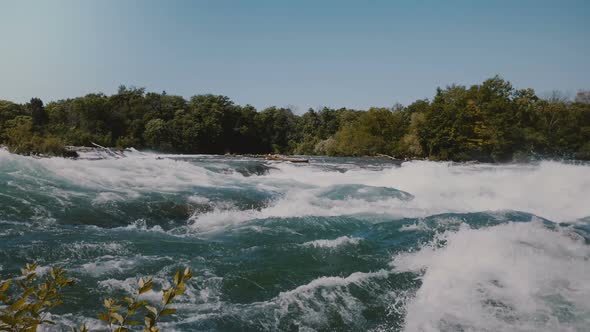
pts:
[510, 277]
[334, 243]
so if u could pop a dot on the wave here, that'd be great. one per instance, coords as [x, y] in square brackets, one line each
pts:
[553, 190]
[510, 277]
[307, 307]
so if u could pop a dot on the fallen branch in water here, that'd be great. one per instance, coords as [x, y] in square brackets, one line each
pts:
[277, 157]
[385, 156]
[115, 154]
[284, 158]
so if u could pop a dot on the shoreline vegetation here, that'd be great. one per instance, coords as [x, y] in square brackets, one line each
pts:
[488, 122]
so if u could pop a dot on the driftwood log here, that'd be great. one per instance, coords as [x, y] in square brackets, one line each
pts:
[109, 151]
[278, 157]
[284, 158]
[385, 156]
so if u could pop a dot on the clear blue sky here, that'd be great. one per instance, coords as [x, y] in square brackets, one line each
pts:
[290, 53]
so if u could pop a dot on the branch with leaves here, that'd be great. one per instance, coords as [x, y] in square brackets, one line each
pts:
[25, 302]
[30, 303]
[120, 314]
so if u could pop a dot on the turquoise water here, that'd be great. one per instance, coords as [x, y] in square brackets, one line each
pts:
[341, 244]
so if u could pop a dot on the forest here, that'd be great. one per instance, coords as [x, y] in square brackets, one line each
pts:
[489, 122]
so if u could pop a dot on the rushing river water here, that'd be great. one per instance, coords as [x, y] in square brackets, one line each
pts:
[340, 244]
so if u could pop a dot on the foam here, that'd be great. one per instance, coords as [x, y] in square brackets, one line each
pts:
[331, 244]
[511, 277]
[82, 249]
[136, 173]
[110, 264]
[198, 199]
[311, 303]
[317, 298]
[331, 282]
[553, 190]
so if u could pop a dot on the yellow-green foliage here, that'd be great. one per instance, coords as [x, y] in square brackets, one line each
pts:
[28, 306]
[491, 121]
[21, 139]
[121, 314]
[374, 131]
[26, 302]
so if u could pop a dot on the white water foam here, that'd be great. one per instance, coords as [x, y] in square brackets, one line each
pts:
[331, 244]
[312, 303]
[110, 264]
[318, 298]
[553, 190]
[134, 174]
[83, 249]
[511, 277]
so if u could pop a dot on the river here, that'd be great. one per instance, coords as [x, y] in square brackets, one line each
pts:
[339, 244]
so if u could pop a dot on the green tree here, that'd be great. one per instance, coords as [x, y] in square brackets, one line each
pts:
[490, 121]
[277, 130]
[38, 114]
[156, 134]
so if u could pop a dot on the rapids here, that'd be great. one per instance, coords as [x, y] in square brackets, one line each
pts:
[341, 244]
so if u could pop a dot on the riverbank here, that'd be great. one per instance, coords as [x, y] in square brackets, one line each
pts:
[102, 153]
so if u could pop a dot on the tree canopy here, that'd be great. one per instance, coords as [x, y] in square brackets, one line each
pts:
[491, 121]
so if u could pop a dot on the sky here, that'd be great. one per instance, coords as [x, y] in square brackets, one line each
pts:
[298, 54]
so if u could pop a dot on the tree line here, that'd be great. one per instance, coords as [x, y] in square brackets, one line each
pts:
[491, 121]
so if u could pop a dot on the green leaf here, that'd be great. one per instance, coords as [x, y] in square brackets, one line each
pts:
[104, 317]
[8, 320]
[18, 304]
[166, 312]
[187, 274]
[32, 328]
[117, 316]
[177, 278]
[136, 305]
[5, 286]
[145, 286]
[152, 309]
[168, 296]
[149, 321]
[145, 289]
[115, 308]
[19, 313]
